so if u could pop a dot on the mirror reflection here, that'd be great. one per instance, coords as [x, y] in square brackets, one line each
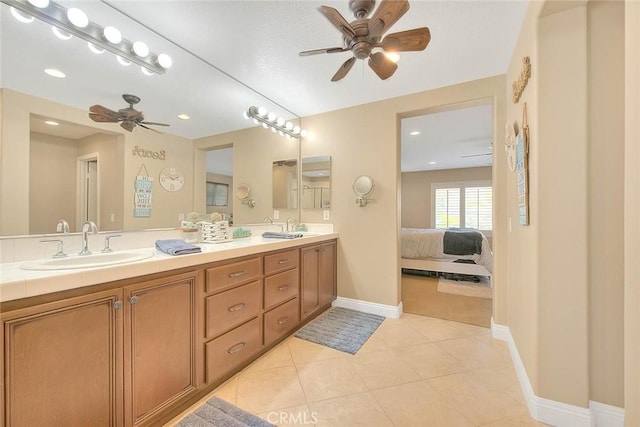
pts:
[316, 182]
[285, 184]
[44, 167]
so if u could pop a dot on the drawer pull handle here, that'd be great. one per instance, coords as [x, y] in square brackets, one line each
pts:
[283, 288]
[237, 273]
[236, 307]
[283, 320]
[320, 250]
[236, 348]
[283, 261]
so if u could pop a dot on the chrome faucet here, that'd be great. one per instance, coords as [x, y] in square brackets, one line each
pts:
[293, 221]
[87, 227]
[62, 226]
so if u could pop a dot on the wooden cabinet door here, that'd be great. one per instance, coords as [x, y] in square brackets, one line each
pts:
[309, 281]
[326, 274]
[63, 363]
[159, 345]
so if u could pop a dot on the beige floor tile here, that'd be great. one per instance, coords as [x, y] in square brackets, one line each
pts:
[298, 416]
[277, 357]
[303, 351]
[479, 351]
[429, 361]
[326, 379]
[478, 402]
[440, 330]
[418, 404]
[523, 421]
[382, 369]
[354, 410]
[269, 389]
[398, 333]
[372, 344]
[228, 390]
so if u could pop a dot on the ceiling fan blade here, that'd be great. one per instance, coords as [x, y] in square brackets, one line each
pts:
[128, 125]
[131, 114]
[344, 69]
[386, 15]
[327, 50]
[104, 111]
[382, 66]
[102, 118]
[338, 21]
[147, 127]
[404, 41]
[154, 123]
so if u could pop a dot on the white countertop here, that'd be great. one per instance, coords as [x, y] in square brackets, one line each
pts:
[16, 283]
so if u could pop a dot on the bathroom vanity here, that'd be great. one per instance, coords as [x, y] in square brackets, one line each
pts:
[139, 350]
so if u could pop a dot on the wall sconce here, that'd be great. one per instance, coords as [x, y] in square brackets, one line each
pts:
[73, 21]
[243, 192]
[363, 186]
[270, 120]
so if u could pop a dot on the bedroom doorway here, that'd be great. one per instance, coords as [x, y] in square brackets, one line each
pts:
[446, 182]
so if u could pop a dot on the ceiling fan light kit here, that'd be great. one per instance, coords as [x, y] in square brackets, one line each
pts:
[270, 120]
[363, 35]
[73, 21]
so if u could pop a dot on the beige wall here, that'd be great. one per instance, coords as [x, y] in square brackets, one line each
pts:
[632, 215]
[223, 179]
[416, 191]
[365, 140]
[564, 276]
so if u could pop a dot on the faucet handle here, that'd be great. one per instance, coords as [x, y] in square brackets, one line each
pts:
[107, 240]
[60, 253]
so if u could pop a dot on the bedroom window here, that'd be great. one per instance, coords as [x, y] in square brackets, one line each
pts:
[217, 194]
[462, 204]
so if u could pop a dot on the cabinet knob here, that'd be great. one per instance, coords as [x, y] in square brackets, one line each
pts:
[283, 320]
[236, 307]
[133, 299]
[283, 288]
[236, 348]
[117, 305]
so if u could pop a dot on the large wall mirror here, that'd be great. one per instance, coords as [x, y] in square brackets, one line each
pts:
[45, 166]
[316, 182]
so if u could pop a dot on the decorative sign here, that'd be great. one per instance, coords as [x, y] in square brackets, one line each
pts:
[142, 199]
[159, 155]
[518, 86]
[522, 170]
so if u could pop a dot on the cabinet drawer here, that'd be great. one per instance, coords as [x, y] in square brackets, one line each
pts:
[280, 287]
[280, 261]
[231, 308]
[232, 349]
[225, 276]
[281, 320]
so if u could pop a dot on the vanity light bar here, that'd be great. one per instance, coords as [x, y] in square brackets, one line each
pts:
[270, 121]
[57, 16]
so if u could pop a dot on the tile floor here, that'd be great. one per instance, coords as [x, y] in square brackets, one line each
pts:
[413, 371]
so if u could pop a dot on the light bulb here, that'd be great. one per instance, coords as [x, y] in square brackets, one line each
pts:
[256, 121]
[274, 130]
[95, 49]
[112, 34]
[21, 16]
[280, 121]
[40, 4]
[123, 61]
[264, 125]
[296, 129]
[303, 133]
[281, 133]
[140, 49]
[262, 111]
[77, 17]
[165, 60]
[245, 114]
[146, 72]
[288, 126]
[272, 117]
[392, 56]
[61, 34]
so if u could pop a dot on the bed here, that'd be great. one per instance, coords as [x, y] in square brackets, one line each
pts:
[456, 251]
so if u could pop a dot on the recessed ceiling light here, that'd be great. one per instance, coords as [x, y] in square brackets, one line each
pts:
[52, 123]
[414, 133]
[55, 73]
[183, 117]
[432, 163]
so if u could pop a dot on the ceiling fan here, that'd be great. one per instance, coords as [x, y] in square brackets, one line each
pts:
[364, 35]
[129, 118]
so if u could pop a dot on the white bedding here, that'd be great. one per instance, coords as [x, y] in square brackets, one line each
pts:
[420, 243]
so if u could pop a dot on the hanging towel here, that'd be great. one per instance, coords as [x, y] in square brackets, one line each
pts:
[176, 247]
[276, 235]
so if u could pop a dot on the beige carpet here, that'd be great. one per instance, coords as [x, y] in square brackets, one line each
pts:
[420, 296]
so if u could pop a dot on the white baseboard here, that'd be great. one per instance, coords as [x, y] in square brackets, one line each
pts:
[369, 307]
[552, 412]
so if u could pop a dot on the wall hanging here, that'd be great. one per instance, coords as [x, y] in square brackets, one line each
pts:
[142, 198]
[522, 169]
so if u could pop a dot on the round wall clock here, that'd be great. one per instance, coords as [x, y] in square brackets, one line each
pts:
[171, 179]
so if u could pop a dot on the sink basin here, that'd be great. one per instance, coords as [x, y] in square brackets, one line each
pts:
[88, 261]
